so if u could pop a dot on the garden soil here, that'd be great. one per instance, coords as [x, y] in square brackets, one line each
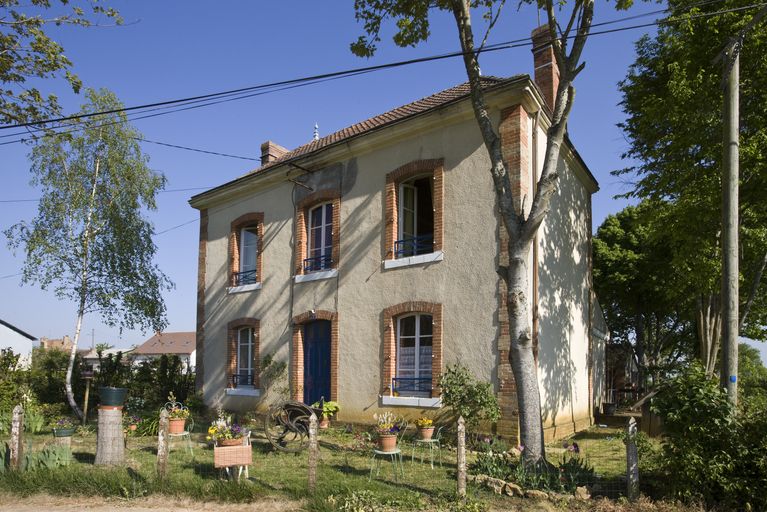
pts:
[12, 503]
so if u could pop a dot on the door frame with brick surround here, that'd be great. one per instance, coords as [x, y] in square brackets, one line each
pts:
[297, 353]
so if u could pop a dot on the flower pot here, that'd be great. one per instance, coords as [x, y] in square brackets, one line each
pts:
[425, 434]
[608, 408]
[114, 397]
[133, 427]
[63, 432]
[324, 422]
[176, 426]
[230, 442]
[387, 442]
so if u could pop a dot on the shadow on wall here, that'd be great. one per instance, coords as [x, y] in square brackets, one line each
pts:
[563, 300]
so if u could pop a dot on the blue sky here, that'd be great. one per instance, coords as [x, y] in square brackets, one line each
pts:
[176, 49]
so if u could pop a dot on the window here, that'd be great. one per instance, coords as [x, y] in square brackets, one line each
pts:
[413, 214]
[415, 233]
[320, 230]
[245, 357]
[414, 356]
[248, 257]
[318, 243]
[245, 252]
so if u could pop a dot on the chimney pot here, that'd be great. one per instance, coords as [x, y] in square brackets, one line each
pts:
[546, 69]
[271, 151]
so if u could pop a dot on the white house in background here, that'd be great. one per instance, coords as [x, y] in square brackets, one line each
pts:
[17, 340]
[181, 344]
[91, 357]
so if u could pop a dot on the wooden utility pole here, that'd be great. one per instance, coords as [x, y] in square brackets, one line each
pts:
[730, 223]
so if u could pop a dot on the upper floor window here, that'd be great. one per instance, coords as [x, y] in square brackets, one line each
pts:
[416, 218]
[414, 356]
[245, 251]
[320, 230]
[413, 213]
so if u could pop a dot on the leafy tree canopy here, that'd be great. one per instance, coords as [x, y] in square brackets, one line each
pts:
[27, 53]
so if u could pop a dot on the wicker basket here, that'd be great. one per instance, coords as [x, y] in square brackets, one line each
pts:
[225, 456]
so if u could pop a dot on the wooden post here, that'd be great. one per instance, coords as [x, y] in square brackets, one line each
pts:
[17, 437]
[461, 457]
[85, 404]
[313, 455]
[632, 461]
[110, 440]
[162, 445]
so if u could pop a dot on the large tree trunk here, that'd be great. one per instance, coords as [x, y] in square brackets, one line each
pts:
[71, 365]
[708, 319]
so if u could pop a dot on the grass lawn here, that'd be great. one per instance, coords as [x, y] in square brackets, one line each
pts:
[342, 476]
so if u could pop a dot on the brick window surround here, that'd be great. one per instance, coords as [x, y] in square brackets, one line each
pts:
[390, 315]
[253, 219]
[435, 168]
[232, 330]
[302, 209]
[297, 352]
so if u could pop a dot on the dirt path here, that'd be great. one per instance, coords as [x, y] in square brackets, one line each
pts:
[38, 503]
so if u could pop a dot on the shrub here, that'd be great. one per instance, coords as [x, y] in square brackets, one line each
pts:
[497, 465]
[473, 400]
[710, 452]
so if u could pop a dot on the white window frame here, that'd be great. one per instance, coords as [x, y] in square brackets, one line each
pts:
[250, 368]
[401, 209]
[416, 346]
[254, 231]
[325, 225]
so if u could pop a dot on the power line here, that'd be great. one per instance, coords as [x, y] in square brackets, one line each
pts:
[196, 150]
[350, 72]
[159, 192]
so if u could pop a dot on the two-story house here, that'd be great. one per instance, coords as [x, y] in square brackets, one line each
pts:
[367, 262]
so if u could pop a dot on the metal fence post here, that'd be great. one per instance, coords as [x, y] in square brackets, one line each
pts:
[313, 455]
[461, 457]
[632, 461]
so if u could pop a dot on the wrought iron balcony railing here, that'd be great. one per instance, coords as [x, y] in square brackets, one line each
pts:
[318, 263]
[421, 244]
[409, 386]
[243, 278]
[243, 379]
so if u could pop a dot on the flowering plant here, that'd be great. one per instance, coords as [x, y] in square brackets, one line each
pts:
[63, 423]
[132, 419]
[424, 422]
[223, 428]
[387, 424]
[178, 412]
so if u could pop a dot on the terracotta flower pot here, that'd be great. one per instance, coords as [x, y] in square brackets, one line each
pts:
[230, 442]
[133, 427]
[176, 426]
[324, 422]
[387, 442]
[424, 434]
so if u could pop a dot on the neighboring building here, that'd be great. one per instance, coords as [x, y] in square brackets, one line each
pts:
[181, 344]
[367, 261]
[17, 340]
[64, 343]
[90, 357]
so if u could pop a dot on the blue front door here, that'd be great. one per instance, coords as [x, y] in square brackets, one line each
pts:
[316, 361]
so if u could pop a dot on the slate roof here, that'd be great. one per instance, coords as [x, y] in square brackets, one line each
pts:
[168, 343]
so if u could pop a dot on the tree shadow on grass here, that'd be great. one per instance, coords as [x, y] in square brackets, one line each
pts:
[84, 457]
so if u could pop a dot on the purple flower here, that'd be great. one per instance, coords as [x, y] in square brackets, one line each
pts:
[521, 448]
[576, 448]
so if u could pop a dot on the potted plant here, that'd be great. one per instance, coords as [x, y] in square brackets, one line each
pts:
[425, 428]
[387, 428]
[132, 422]
[177, 416]
[224, 433]
[63, 427]
[112, 377]
[328, 409]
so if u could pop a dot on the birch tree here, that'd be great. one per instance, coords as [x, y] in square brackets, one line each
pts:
[90, 242]
[568, 40]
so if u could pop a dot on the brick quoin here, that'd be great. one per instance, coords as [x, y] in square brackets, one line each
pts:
[546, 70]
[514, 132]
[232, 329]
[254, 219]
[297, 352]
[302, 210]
[435, 167]
[202, 253]
[390, 341]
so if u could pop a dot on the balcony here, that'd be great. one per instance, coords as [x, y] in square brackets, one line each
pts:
[244, 278]
[413, 246]
[318, 263]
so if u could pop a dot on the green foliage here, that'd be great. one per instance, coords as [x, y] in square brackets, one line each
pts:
[752, 378]
[494, 464]
[570, 472]
[48, 372]
[34, 421]
[29, 54]
[473, 400]
[50, 457]
[710, 453]
[113, 370]
[152, 381]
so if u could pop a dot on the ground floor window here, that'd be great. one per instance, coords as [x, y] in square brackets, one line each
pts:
[414, 355]
[245, 357]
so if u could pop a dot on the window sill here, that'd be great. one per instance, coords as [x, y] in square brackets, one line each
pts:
[412, 401]
[421, 259]
[244, 288]
[316, 276]
[243, 391]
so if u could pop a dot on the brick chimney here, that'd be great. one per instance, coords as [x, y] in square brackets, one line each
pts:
[271, 151]
[546, 70]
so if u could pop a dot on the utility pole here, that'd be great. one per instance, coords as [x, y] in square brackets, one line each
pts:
[730, 222]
